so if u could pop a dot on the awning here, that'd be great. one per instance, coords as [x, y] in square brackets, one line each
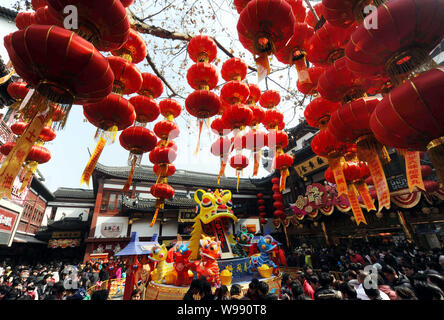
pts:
[22, 238]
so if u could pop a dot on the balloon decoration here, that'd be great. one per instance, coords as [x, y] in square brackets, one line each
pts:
[264, 27]
[203, 77]
[72, 72]
[164, 154]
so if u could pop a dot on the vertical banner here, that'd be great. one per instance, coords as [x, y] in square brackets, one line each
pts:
[93, 161]
[336, 168]
[354, 203]
[381, 186]
[413, 170]
[366, 197]
[404, 225]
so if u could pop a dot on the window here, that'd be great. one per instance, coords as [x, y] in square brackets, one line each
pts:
[112, 202]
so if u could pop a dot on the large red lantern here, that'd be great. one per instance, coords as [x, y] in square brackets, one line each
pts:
[166, 130]
[162, 155]
[343, 13]
[24, 19]
[202, 76]
[255, 94]
[36, 4]
[170, 108]
[310, 19]
[104, 23]
[202, 49]
[411, 117]
[43, 16]
[161, 191]
[237, 116]
[218, 126]
[127, 78]
[18, 92]
[308, 82]
[270, 99]
[164, 169]
[264, 27]
[235, 92]
[47, 134]
[134, 49]
[234, 69]
[299, 10]
[152, 86]
[147, 110]
[238, 162]
[273, 118]
[407, 30]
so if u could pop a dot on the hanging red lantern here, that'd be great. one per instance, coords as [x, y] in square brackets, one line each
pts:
[261, 201]
[127, 78]
[328, 43]
[166, 170]
[343, 13]
[264, 27]
[147, 110]
[262, 221]
[411, 117]
[255, 94]
[318, 112]
[270, 99]
[310, 19]
[152, 86]
[299, 10]
[260, 195]
[43, 16]
[137, 140]
[329, 177]
[255, 140]
[167, 143]
[401, 42]
[273, 118]
[240, 5]
[237, 116]
[234, 92]
[36, 4]
[308, 84]
[104, 23]
[18, 92]
[337, 83]
[258, 115]
[234, 69]
[238, 162]
[127, 3]
[221, 148]
[283, 162]
[170, 108]
[47, 134]
[294, 51]
[277, 196]
[162, 155]
[218, 126]
[279, 214]
[24, 19]
[166, 130]
[202, 49]
[134, 49]
[279, 205]
[202, 76]
[202, 104]
[277, 139]
[161, 191]
[38, 153]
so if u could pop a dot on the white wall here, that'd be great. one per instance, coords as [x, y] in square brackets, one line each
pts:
[143, 229]
[121, 221]
[71, 213]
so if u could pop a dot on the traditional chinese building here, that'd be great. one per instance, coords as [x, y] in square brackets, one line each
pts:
[116, 215]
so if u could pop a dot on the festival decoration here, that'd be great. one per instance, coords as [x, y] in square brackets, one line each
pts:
[265, 245]
[310, 19]
[164, 153]
[238, 162]
[159, 255]
[400, 44]
[210, 251]
[318, 112]
[182, 266]
[264, 27]
[221, 148]
[17, 91]
[71, 72]
[343, 13]
[261, 208]
[243, 242]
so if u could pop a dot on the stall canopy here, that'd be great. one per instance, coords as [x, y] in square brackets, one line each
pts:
[136, 247]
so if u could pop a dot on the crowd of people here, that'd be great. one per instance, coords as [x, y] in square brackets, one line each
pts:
[57, 280]
[364, 272]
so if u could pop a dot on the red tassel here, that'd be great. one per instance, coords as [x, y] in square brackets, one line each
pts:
[198, 138]
[155, 217]
[223, 164]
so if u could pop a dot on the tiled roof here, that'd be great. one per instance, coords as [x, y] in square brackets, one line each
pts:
[143, 204]
[182, 177]
[75, 193]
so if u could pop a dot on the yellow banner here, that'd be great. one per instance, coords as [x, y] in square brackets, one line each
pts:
[354, 203]
[366, 197]
[378, 175]
[30, 168]
[13, 162]
[338, 173]
[413, 170]
[92, 161]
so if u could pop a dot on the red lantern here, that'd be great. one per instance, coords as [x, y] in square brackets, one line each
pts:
[147, 110]
[328, 175]
[161, 191]
[273, 118]
[36, 4]
[279, 214]
[17, 91]
[166, 130]
[352, 171]
[202, 104]
[411, 117]
[138, 140]
[337, 83]
[275, 181]
[164, 170]
[279, 205]
[261, 201]
[127, 78]
[295, 48]
[283, 162]
[170, 144]
[343, 13]
[162, 155]
[262, 221]
[24, 19]
[240, 5]
[328, 43]
[234, 69]
[426, 170]
[406, 33]
[234, 92]
[237, 116]
[310, 18]
[318, 112]
[170, 108]
[264, 27]
[127, 3]
[218, 126]
[37, 153]
[260, 195]
[298, 8]
[238, 162]
[113, 111]
[255, 94]
[47, 134]
[270, 99]
[261, 208]
[43, 16]
[325, 144]
[202, 76]
[134, 48]
[277, 139]
[277, 196]
[258, 115]
[308, 84]
[202, 49]
[104, 23]
[152, 86]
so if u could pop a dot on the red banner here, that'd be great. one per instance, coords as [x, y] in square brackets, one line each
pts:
[381, 186]
[413, 170]
[354, 203]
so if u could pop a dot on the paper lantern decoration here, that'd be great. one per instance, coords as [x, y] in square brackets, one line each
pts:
[127, 78]
[166, 130]
[234, 69]
[18, 92]
[47, 134]
[36, 4]
[147, 109]
[237, 117]
[164, 169]
[255, 94]
[272, 119]
[161, 191]
[134, 49]
[343, 13]
[43, 16]
[406, 33]
[411, 117]
[238, 162]
[283, 162]
[308, 83]
[202, 76]
[317, 112]
[299, 10]
[234, 92]
[270, 99]
[202, 49]
[310, 19]
[24, 19]
[264, 27]
[104, 23]
[218, 126]
[152, 86]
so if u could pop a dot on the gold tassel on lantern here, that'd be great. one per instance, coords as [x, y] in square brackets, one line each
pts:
[223, 164]
[127, 185]
[435, 149]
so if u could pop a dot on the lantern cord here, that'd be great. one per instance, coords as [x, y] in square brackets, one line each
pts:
[198, 138]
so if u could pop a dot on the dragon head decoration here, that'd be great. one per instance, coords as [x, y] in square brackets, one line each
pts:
[160, 253]
[209, 248]
[266, 244]
[244, 238]
[210, 207]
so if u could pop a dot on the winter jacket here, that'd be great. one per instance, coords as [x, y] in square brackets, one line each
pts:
[388, 291]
